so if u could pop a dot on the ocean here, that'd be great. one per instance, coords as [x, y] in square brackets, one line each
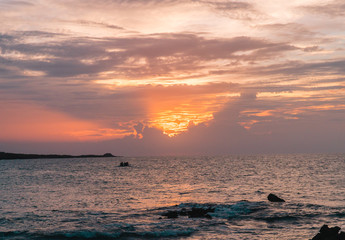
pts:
[95, 198]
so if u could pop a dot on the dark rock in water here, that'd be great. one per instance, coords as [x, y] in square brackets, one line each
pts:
[273, 198]
[327, 233]
[194, 212]
[341, 236]
[197, 212]
[183, 212]
[200, 213]
[171, 214]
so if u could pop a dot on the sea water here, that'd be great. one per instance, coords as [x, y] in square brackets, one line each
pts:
[98, 199]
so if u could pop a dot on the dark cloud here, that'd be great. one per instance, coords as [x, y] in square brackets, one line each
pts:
[234, 9]
[293, 69]
[329, 80]
[334, 8]
[230, 5]
[5, 38]
[14, 3]
[162, 54]
[5, 72]
[324, 67]
[63, 67]
[124, 3]
[38, 34]
[100, 24]
[179, 90]
[147, 2]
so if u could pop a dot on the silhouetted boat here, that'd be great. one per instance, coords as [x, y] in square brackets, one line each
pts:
[124, 164]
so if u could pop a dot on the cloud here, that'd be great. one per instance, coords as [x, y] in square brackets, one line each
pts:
[123, 107]
[290, 70]
[334, 8]
[275, 133]
[6, 38]
[313, 132]
[312, 49]
[230, 5]
[137, 57]
[292, 31]
[100, 24]
[136, 2]
[218, 76]
[15, 3]
[300, 68]
[70, 67]
[240, 10]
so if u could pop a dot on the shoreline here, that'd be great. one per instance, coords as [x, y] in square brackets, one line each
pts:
[19, 156]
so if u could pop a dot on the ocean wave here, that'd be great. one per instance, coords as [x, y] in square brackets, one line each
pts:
[337, 215]
[155, 223]
[218, 211]
[164, 233]
[254, 211]
[58, 235]
[95, 235]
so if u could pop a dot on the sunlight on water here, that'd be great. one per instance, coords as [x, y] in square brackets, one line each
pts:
[95, 198]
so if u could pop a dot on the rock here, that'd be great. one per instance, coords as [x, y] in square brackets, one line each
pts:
[197, 213]
[171, 214]
[341, 236]
[200, 213]
[327, 233]
[183, 212]
[194, 212]
[273, 198]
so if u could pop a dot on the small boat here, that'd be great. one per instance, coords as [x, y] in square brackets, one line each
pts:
[124, 164]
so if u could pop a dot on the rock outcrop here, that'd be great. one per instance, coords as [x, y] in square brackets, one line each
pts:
[273, 198]
[327, 233]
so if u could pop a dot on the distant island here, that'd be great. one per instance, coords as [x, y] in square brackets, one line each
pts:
[7, 156]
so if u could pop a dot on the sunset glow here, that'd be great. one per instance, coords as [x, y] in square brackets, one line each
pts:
[130, 74]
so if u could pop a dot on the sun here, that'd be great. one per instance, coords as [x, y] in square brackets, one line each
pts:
[175, 116]
[174, 123]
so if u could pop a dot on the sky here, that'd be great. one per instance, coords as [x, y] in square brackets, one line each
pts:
[172, 77]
